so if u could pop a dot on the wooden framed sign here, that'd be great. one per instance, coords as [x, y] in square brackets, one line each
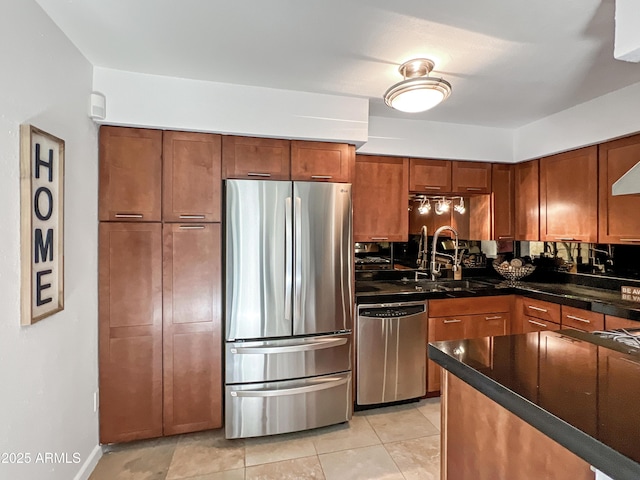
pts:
[42, 227]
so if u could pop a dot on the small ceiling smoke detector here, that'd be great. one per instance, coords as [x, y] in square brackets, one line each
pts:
[417, 92]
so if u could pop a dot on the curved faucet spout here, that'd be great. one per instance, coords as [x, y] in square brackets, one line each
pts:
[435, 266]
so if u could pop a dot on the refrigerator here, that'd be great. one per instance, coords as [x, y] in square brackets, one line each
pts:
[288, 306]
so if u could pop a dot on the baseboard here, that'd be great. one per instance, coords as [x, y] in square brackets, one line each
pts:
[89, 464]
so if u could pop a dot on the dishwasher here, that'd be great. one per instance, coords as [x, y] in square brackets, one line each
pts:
[391, 354]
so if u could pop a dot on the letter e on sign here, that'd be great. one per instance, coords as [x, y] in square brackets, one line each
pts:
[41, 224]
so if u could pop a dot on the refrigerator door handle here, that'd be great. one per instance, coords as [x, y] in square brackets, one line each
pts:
[298, 261]
[289, 391]
[299, 347]
[288, 283]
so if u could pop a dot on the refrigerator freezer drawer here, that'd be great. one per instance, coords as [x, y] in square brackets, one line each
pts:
[260, 409]
[270, 360]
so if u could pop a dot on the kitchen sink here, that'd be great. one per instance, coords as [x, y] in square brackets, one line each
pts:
[411, 286]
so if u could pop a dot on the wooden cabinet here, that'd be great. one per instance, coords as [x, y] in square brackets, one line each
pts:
[471, 177]
[569, 196]
[130, 174]
[130, 331]
[380, 192]
[257, 158]
[321, 161]
[459, 318]
[580, 319]
[192, 334]
[617, 322]
[533, 315]
[503, 202]
[475, 222]
[619, 221]
[191, 189]
[429, 176]
[527, 209]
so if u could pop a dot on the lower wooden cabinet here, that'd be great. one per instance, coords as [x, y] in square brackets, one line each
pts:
[159, 330]
[191, 328]
[452, 320]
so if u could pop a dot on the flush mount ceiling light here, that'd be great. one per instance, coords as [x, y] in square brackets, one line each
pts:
[417, 92]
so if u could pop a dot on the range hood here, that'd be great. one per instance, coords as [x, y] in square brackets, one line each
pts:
[629, 183]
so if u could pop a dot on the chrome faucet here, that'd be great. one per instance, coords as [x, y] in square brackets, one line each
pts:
[435, 266]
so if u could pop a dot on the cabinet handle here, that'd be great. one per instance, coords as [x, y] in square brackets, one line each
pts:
[453, 320]
[496, 317]
[190, 217]
[129, 215]
[191, 227]
[324, 177]
[538, 309]
[571, 239]
[379, 238]
[428, 187]
[255, 174]
[505, 237]
[540, 324]
[474, 189]
[630, 239]
[583, 320]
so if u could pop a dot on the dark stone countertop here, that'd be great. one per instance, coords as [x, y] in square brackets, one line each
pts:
[601, 300]
[578, 389]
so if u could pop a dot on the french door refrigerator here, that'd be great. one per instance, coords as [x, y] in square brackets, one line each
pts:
[288, 306]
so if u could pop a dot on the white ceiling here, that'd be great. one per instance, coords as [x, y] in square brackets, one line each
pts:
[510, 62]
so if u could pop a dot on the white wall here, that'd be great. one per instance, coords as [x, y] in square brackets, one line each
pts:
[415, 138]
[155, 101]
[48, 371]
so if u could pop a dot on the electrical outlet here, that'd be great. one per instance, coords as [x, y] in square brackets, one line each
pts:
[95, 401]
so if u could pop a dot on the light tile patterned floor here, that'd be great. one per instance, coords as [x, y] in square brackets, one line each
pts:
[399, 442]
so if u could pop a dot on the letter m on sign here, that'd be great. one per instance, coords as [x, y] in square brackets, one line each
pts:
[43, 249]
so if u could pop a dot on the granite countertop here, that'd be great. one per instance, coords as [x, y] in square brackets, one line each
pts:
[578, 389]
[601, 300]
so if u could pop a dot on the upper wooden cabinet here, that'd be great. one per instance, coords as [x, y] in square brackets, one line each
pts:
[619, 221]
[527, 208]
[471, 177]
[130, 174]
[380, 191]
[503, 201]
[257, 158]
[429, 176]
[192, 177]
[321, 161]
[569, 196]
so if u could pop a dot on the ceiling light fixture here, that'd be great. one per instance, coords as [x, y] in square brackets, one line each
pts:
[417, 92]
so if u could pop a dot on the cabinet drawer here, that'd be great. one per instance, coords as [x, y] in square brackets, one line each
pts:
[534, 324]
[470, 306]
[582, 319]
[449, 328]
[540, 309]
[617, 322]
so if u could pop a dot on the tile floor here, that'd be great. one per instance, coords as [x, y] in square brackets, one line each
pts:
[398, 442]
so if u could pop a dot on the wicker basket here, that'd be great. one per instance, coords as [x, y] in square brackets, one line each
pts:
[513, 273]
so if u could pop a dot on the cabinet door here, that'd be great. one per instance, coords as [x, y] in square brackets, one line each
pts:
[619, 221]
[380, 193]
[580, 319]
[429, 176]
[192, 328]
[527, 204]
[130, 331]
[490, 325]
[569, 196]
[192, 181]
[471, 177]
[475, 222]
[503, 201]
[258, 158]
[130, 174]
[321, 161]
[441, 329]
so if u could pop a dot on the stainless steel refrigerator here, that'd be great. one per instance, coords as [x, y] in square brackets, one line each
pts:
[288, 306]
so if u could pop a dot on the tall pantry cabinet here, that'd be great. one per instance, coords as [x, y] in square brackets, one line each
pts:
[159, 283]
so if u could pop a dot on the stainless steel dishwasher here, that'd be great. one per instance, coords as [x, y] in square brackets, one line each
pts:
[391, 352]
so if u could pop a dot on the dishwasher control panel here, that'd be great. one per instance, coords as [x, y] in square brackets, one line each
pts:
[392, 311]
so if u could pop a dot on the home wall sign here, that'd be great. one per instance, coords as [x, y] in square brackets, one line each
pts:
[42, 227]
